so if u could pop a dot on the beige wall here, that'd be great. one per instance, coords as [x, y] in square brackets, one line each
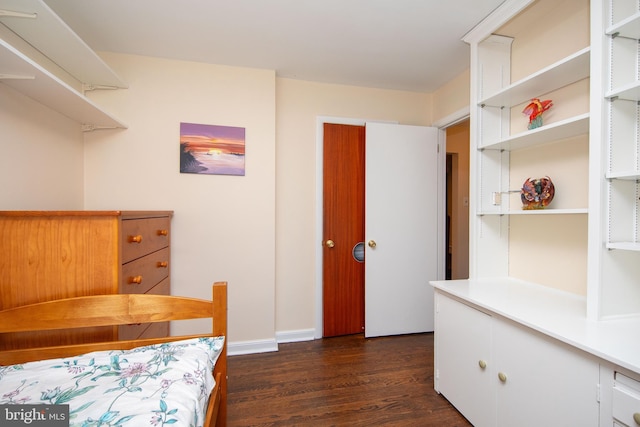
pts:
[451, 98]
[223, 226]
[41, 156]
[258, 231]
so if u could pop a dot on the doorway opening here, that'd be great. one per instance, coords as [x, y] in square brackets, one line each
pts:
[457, 201]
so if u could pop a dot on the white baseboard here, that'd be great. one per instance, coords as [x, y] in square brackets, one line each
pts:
[268, 345]
[250, 347]
[295, 336]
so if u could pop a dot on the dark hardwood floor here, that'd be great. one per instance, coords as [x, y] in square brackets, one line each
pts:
[342, 381]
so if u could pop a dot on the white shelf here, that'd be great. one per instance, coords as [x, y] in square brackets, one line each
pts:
[42, 86]
[539, 212]
[38, 50]
[564, 129]
[52, 36]
[569, 70]
[627, 246]
[630, 92]
[629, 27]
[627, 175]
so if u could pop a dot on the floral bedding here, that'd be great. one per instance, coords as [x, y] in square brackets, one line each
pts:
[157, 385]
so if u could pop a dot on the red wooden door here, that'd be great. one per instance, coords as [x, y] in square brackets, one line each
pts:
[343, 229]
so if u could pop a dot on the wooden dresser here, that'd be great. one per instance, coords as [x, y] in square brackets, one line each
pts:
[46, 255]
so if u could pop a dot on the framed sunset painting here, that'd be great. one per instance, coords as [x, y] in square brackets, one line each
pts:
[212, 149]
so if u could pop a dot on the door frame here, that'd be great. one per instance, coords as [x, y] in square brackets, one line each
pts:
[320, 121]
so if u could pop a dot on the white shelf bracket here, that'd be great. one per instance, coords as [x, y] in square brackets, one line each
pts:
[91, 128]
[13, 14]
[87, 87]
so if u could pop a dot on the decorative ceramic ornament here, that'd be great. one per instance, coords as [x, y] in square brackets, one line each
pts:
[537, 193]
[534, 110]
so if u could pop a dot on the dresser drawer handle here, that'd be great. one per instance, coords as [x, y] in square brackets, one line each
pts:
[163, 232]
[135, 239]
[135, 279]
[163, 264]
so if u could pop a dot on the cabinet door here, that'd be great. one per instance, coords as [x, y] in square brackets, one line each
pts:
[463, 346]
[545, 383]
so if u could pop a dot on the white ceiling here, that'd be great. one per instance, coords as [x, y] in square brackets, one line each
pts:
[410, 45]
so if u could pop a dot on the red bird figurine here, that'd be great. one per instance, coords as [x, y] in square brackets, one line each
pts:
[534, 110]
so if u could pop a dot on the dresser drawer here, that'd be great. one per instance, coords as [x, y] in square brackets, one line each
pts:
[144, 273]
[147, 330]
[626, 400]
[131, 332]
[143, 236]
[156, 330]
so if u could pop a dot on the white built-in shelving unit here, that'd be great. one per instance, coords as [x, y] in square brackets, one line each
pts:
[622, 96]
[610, 208]
[42, 58]
[589, 237]
[616, 292]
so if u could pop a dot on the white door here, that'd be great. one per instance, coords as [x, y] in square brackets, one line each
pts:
[403, 244]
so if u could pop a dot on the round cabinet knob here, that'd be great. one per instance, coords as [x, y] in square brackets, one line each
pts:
[135, 280]
[372, 244]
[482, 364]
[163, 264]
[163, 232]
[135, 239]
[329, 243]
[636, 418]
[502, 377]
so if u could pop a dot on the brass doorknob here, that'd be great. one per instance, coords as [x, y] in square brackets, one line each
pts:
[372, 244]
[329, 243]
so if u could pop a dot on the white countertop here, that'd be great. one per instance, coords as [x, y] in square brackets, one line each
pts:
[555, 313]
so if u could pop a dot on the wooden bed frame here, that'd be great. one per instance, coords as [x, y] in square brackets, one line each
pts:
[106, 310]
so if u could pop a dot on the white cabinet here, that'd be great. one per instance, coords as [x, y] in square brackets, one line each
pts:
[556, 292]
[41, 57]
[463, 359]
[499, 373]
[626, 400]
[545, 382]
[620, 396]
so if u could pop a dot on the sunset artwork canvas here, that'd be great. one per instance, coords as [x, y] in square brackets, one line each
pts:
[211, 149]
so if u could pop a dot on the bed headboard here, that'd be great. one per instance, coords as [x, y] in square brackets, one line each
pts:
[107, 310]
